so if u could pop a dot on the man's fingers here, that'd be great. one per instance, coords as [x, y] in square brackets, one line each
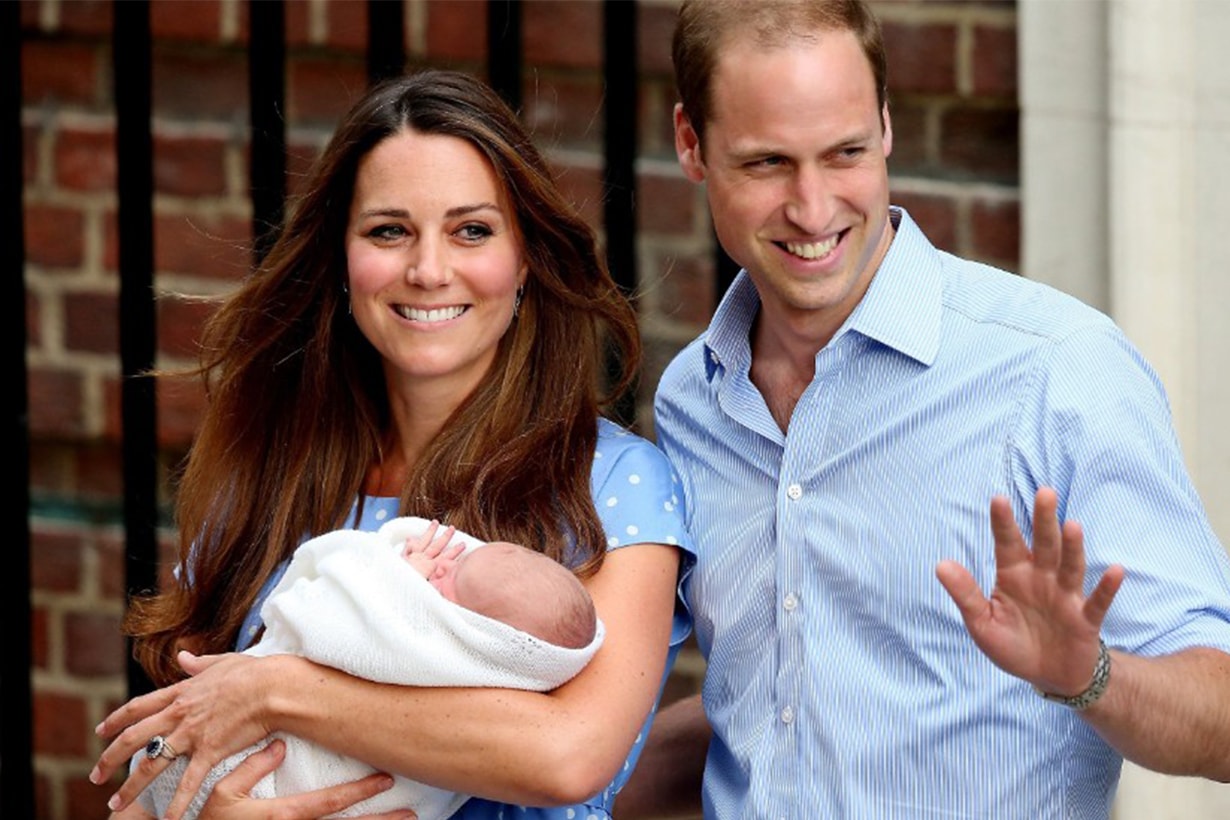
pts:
[1071, 575]
[1099, 601]
[1010, 547]
[247, 774]
[962, 588]
[1047, 535]
[335, 798]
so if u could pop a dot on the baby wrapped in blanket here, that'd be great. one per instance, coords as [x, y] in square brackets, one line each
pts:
[416, 605]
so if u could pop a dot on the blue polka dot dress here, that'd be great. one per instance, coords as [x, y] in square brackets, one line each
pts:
[639, 501]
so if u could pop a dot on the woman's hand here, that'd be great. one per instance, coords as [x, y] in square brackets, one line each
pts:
[211, 715]
[230, 801]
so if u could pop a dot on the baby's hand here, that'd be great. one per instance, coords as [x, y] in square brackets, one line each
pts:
[429, 552]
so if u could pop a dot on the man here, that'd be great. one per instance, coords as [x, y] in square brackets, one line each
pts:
[856, 402]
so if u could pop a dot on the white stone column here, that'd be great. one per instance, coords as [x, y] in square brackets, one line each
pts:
[1125, 179]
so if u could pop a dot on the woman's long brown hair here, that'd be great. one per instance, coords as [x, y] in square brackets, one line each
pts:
[296, 403]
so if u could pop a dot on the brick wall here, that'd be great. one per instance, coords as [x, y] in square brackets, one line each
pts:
[953, 97]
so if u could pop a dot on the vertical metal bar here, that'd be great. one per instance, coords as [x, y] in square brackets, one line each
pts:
[619, 70]
[266, 102]
[131, 58]
[386, 39]
[17, 751]
[504, 50]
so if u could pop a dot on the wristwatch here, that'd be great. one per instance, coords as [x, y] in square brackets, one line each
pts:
[1096, 688]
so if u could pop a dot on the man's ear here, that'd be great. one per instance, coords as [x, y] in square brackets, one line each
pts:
[888, 130]
[687, 146]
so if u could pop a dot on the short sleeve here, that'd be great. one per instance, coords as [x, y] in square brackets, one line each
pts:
[640, 500]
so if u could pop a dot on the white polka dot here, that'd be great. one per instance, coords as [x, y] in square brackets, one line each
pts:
[592, 817]
[634, 479]
[670, 539]
[674, 499]
[252, 629]
[612, 501]
[669, 506]
[597, 454]
[632, 529]
[612, 542]
[381, 515]
[571, 813]
[639, 735]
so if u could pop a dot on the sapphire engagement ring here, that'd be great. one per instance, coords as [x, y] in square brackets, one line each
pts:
[159, 747]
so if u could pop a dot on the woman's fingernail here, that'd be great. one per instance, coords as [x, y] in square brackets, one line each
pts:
[98, 730]
[95, 776]
[114, 802]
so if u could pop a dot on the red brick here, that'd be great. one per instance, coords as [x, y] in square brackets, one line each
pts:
[199, 85]
[43, 791]
[85, 160]
[665, 205]
[562, 33]
[198, 21]
[111, 577]
[299, 159]
[86, 801]
[190, 166]
[921, 58]
[994, 61]
[583, 188]
[34, 325]
[29, 13]
[95, 645]
[214, 247]
[298, 23]
[936, 215]
[54, 236]
[29, 154]
[179, 326]
[60, 724]
[564, 110]
[55, 403]
[685, 289]
[655, 26]
[910, 153]
[91, 322]
[996, 232]
[90, 17]
[456, 30]
[59, 72]
[55, 561]
[39, 649]
[180, 407]
[320, 91]
[981, 142]
[98, 470]
[347, 25]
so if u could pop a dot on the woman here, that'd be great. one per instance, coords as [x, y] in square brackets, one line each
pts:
[427, 337]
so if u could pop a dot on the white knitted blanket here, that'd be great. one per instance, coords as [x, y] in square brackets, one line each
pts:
[350, 601]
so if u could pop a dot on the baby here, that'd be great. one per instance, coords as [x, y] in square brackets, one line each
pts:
[412, 604]
[507, 582]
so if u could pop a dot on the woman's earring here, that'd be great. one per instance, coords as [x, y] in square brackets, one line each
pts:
[517, 301]
[346, 292]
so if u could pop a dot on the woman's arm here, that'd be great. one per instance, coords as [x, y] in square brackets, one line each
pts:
[526, 747]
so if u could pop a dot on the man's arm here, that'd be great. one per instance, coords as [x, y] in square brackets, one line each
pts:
[1170, 714]
[666, 781]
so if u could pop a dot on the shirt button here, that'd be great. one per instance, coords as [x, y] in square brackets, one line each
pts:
[713, 357]
[788, 715]
[795, 492]
[790, 602]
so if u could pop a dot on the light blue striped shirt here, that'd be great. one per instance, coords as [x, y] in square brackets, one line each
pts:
[841, 681]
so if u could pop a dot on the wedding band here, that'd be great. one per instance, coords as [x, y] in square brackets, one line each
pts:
[159, 747]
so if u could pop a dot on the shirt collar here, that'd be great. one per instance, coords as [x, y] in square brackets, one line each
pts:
[901, 309]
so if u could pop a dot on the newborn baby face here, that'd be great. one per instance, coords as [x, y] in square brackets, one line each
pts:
[469, 578]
